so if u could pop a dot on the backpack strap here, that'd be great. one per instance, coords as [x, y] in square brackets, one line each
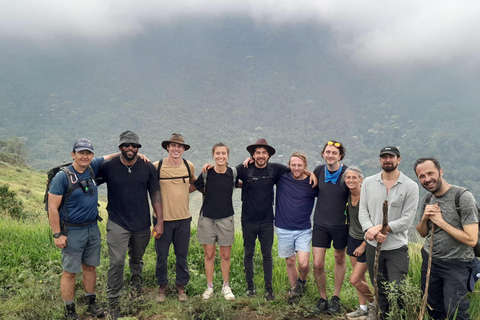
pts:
[458, 195]
[428, 197]
[185, 162]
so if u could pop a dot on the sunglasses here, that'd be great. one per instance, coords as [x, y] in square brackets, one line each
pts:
[336, 144]
[134, 145]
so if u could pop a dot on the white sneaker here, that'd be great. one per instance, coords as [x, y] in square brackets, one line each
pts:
[357, 314]
[227, 293]
[207, 294]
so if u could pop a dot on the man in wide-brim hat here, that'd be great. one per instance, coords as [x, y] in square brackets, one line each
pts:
[176, 175]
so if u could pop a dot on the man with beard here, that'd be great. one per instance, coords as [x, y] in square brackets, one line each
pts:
[330, 224]
[128, 180]
[453, 211]
[257, 211]
[402, 195]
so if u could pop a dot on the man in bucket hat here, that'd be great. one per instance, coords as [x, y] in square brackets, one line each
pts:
[176, 175]
[129, 182]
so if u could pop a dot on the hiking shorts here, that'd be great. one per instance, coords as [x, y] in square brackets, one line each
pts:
[210, 231]
[354, 244]
[83, 246]
[291, 241]
[323, 237]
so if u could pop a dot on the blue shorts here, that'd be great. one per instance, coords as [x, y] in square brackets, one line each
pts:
[354, 244]
[83, 246]
[291, 241]
[323, 237]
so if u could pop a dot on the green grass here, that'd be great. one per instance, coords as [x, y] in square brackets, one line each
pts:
[30, 271]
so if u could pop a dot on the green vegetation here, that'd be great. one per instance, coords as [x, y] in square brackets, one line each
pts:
[30, 270]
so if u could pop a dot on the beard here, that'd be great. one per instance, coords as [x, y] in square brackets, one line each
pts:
[127, 156]
[436, 187]
[389, 167]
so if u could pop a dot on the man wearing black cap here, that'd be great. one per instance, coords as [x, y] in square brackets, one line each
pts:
[401, 193]
[257, 211]
[176, 175]
[129, 181]
[73, 214]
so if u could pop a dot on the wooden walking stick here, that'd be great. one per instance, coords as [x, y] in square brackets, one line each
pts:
[377, 255]
[427, 280]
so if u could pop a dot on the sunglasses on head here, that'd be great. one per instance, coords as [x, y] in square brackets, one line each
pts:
[134, 145]
[336, 144]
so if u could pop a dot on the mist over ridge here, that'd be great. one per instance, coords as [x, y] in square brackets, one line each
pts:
[234, 79]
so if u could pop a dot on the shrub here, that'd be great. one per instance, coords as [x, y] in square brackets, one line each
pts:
[9, 204]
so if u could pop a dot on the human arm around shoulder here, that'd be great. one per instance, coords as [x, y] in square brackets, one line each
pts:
[192, 177]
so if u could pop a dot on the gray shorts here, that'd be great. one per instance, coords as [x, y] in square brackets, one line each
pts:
[83, 246]
[210, 231]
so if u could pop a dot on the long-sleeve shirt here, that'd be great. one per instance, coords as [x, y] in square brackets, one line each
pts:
[402, 206]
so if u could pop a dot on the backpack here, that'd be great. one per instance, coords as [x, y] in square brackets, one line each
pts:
[251, 178]
[458, 195]
[184, 177]
[204, 176]
[72, 186]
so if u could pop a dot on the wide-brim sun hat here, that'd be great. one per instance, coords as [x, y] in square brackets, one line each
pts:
[261, 143]
[175, 138]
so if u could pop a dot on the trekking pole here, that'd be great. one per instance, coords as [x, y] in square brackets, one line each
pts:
[377, 255]
[427, 280]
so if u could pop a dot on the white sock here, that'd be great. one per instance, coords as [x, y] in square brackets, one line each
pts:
[364, 307]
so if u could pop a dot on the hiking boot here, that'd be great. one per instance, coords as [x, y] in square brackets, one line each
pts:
[269, 296]
[227, 293]
[297, 290]
[321, 307]
[207, 294]
[161, 294]
[182, 296]
[70, 312]
[251, 291]
[114, 313]
[357, 313]
[372, 311]
[93, 308]
[136, 293]
[334, 305]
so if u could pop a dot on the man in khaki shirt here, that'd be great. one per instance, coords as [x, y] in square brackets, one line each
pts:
[176, 175]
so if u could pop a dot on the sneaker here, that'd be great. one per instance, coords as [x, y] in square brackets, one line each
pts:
[357, 313]
[372, 311]
[297, 290]
[227, 293]
[70, 312]
[269, 296]
[161, 294]
[334, 305]
[207, 294]
[114, 313]
[321, 307]
[182, 296]
[251, 291]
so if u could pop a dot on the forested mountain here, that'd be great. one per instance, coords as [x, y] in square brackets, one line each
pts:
[232, 80]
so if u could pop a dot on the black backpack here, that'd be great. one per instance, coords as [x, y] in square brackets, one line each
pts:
[251, 178]
[73, 184]
[184, 177]
[458, 195]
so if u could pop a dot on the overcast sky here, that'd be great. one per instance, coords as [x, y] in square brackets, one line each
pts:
[426, 32]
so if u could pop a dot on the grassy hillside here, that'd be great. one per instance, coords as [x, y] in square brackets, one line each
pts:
[30, 270]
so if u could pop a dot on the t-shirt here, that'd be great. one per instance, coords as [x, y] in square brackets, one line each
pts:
[82, 207]
[294, 205]
[355, 228]
[445, 247]
[217, 203]
[127, 194]
[175, 192]
[331, 200]
[257, 194]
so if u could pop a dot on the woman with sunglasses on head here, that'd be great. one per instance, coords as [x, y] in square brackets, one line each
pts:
[353, 178]
[215, 222]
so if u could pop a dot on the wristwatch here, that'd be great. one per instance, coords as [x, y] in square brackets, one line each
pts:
[57, 235]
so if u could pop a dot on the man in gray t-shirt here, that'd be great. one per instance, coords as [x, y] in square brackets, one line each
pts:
[454, 235]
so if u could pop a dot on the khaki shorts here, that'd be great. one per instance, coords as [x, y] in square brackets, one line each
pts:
[210, 231]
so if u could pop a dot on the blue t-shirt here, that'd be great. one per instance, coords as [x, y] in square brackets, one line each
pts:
[294, 203]
[82, 207]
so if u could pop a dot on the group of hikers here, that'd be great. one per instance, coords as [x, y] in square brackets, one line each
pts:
[353, 213]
